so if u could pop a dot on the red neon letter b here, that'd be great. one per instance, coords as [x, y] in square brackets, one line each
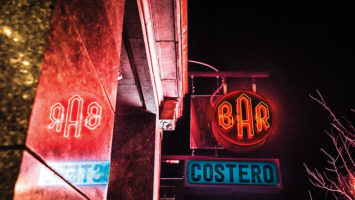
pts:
[225, 117]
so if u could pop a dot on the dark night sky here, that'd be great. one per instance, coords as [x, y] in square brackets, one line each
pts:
[304, 47]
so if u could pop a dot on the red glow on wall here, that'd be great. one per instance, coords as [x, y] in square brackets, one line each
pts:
[73, 120]
[241, 118]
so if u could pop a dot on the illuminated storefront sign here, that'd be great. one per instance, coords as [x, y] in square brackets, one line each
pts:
[241, 118]
[233, 172]
[77, 173]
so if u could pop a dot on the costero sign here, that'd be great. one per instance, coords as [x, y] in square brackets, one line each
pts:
[241, 118]
[233, 172]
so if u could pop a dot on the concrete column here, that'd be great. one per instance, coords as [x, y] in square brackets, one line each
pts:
[135, 142]
[71, 126]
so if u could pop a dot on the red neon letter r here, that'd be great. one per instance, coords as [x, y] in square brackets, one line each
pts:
[261, 116]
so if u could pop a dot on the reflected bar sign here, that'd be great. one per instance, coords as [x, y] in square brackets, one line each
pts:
[233, 172]
[77, 173]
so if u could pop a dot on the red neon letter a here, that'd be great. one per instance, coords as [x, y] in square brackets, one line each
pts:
[248, 121]
[74, 116]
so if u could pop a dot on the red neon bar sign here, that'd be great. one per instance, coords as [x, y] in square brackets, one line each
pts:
[241, 118]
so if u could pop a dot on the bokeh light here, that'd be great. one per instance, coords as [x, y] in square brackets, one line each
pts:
[23, 30]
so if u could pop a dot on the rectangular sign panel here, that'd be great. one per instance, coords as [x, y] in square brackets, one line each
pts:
[233, 172]
[201, 136]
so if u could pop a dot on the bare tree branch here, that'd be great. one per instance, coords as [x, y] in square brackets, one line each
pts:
[310, 195]
[351, 126]
[322, 102]
[339, 179]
